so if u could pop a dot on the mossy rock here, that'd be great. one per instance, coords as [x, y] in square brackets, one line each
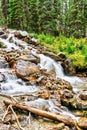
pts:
[2, 45]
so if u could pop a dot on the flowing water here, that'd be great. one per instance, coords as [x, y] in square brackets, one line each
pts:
[13, 85]
[50, 64]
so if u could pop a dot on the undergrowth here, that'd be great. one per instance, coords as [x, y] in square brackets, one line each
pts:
[72, 47]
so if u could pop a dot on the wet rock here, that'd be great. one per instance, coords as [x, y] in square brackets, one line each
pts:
[61, 56]
[68, 68]
[83, 95]
[23, 33]
[51, 54]
[39, 104]
[81, 104]
[30, 58]
[20, 34]
[4, 126]
[5, 36]
[33, 41]
[66, 128]
[67, 93]
[44, 94]
[82, 122]
[3, 62]
[25, 69]
[64, 84]
[2, 77]
[60, 126]
[1, 32]
[74, 102]
[78, 113]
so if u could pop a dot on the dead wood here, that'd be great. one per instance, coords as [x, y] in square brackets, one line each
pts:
[8, 96]
[63, 118]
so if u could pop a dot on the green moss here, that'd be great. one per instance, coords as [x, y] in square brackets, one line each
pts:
[2, 45]
[85, 113]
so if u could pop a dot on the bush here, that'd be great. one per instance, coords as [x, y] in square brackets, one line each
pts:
[72, 47]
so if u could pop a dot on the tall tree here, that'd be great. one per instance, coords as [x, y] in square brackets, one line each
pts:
[5, 9]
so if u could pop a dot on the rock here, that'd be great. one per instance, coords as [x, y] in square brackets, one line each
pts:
[83, 95]
[51, 54]
[20, 34]
[74, 102]
[2, 77]
[3, 62]
[67, 93]
[60, 126]
[78, 113]
[81, 104]
[30, 58]
[64, 84]
[66, 128]
[82, 122]
[23, 33]
[68, 68]
[1, 32]
[39, 103]
[61, 56]
[33, 41]
[5, 36]
[25, 69]
[44, 94]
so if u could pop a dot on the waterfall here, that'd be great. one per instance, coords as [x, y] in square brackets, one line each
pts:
[49, 64]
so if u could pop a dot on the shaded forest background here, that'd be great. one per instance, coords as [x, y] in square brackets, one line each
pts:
[67, 17]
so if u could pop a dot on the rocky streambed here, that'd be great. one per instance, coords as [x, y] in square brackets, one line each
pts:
[39, 79]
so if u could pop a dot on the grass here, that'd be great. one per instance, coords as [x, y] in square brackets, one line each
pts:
[72, 47]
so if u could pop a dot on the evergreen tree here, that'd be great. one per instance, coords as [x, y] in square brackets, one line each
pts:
[68, 17]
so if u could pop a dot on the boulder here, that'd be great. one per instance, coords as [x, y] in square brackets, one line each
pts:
[27, 70]
[82, 122]
[51, 54]
[68, 67]
[83, 95]
[30, 58]
[20, 34]
[61, 56]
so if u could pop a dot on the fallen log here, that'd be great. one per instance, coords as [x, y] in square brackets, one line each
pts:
[58, 117]
[8, 96]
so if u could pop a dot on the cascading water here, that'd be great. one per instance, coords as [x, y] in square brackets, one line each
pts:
[12, 84]
[50, 64]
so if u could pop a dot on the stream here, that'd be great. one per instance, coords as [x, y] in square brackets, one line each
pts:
[10, 77]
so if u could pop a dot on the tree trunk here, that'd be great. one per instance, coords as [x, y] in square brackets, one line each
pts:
[26, 9]
[5, 9]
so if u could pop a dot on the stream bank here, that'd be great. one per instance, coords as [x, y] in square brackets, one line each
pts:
[39, 81]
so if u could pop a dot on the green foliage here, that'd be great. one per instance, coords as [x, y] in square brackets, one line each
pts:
[72, 47]
[2, 45]
[46, 38]
[85, 113]
[54, 17]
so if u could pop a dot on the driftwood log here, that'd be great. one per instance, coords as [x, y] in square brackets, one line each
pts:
[58, 117]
